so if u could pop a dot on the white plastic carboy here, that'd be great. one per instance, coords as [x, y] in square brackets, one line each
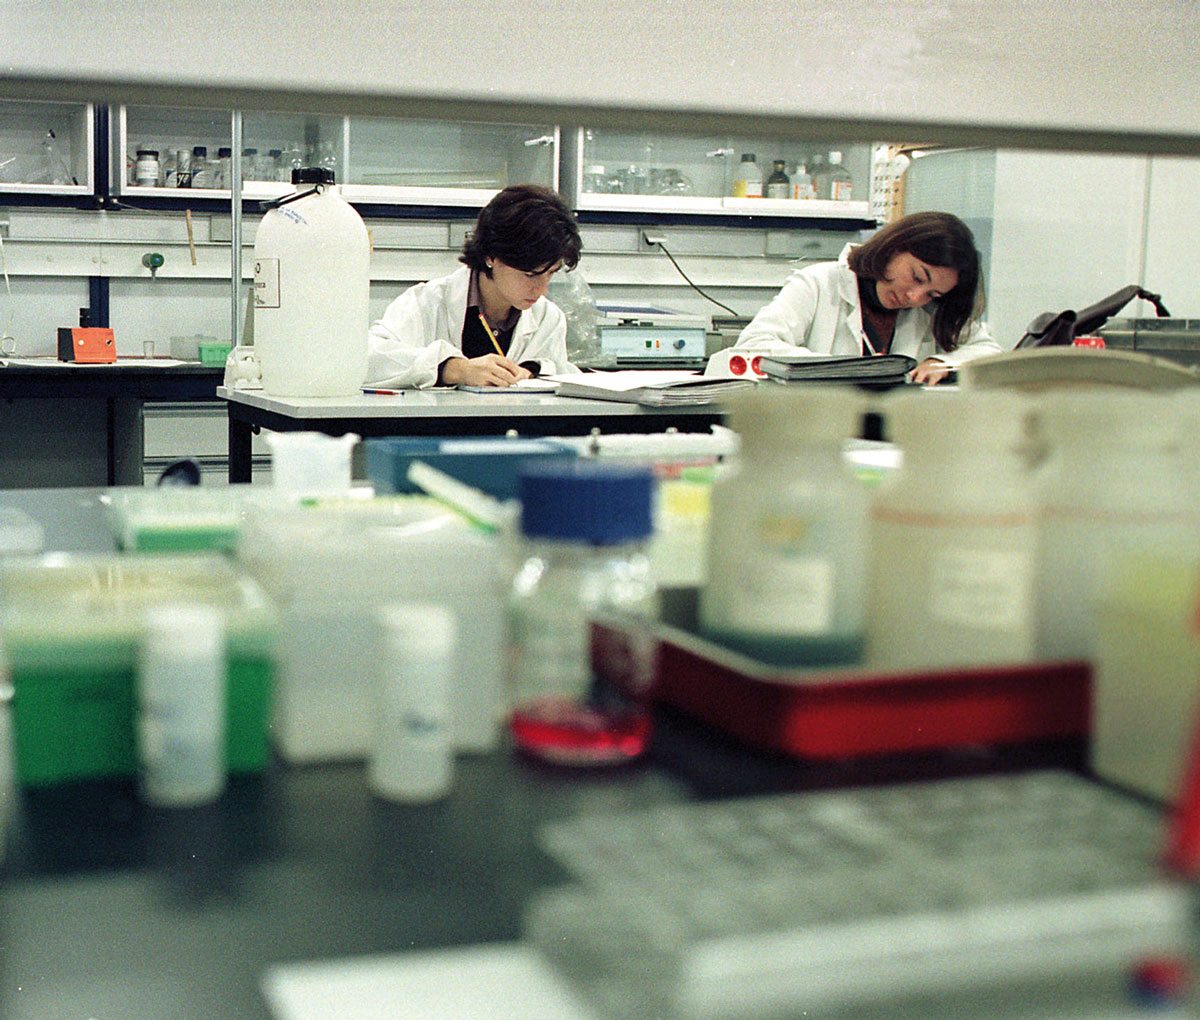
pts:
[311, 291]
[586, 525]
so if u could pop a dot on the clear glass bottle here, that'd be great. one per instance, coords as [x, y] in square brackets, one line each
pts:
[838, 186]
[202, 169]
[586, 525]
[329, 160]
[146, 169]
[250, 166]
[953, 535]
[291, 158]
[802, 185]
[412, 759]
[787, 531]
[747, 179]
[222, 178]
[779, 185]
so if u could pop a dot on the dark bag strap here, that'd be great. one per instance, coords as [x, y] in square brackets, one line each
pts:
[1050, 329]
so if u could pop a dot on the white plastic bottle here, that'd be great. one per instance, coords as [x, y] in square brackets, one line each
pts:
[411, 757]
[1111, 487]
[787, 531]
[747, 179]
[311, 292]
[953, 537]
[181, 696]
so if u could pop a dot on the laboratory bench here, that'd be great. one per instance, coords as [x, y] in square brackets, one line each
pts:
[112, 908]
[82, 424]
[443, 412]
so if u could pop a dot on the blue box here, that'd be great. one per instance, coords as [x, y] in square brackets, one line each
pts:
[492, 465]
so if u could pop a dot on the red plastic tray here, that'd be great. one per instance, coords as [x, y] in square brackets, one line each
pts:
[845, 712]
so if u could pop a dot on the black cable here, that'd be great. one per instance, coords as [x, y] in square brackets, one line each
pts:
[692, 285]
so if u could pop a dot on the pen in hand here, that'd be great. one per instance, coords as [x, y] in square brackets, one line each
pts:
[390, 393]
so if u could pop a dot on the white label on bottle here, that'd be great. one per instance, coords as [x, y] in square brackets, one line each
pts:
[989, 589]
[840, 191]
[266, 283]
[786, 596]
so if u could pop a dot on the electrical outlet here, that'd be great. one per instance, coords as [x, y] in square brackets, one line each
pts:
[651, 239]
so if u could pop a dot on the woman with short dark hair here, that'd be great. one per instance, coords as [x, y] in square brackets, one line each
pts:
[913, 288]
[488, 323]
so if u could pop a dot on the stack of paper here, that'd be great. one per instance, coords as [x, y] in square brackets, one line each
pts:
[666, 388]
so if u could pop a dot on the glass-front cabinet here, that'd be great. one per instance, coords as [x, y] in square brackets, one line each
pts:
[163, 152]
[46, 148]
[678, 174]
[377, 160]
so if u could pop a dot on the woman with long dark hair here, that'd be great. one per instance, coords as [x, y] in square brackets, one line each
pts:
[913, 288]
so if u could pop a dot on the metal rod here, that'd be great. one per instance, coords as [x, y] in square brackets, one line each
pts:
[235, 235]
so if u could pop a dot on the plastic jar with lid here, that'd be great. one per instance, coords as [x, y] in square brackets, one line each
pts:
[586, 527]
[953, 535]
[787, 531]
[146, 169]
[1112, 486]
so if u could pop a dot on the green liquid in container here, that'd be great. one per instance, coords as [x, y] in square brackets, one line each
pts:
[800, 653]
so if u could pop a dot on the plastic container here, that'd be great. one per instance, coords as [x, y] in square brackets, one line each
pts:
[311, 301]
[213, 352]
[72, 626]
[787, 531]
[331, 567]
[586, 526]
[953, 534]
[1111, 486]
[747, 179]
[492, 465]
[412, 757]
[311, 462]
[181, 703]
[146, 169]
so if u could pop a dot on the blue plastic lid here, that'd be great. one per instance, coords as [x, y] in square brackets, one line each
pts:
[586, 501]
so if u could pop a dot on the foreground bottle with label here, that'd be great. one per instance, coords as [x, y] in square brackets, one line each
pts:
[311, 292]
[586, 525]
[787, 534]
[953, 538]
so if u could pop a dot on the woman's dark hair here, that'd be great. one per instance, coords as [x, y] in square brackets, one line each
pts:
[525, 226]
[937, 239]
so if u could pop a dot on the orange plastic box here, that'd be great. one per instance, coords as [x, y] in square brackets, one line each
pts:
[846, 711]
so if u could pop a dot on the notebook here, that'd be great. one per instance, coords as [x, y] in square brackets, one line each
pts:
[837, 368]
[650, 388]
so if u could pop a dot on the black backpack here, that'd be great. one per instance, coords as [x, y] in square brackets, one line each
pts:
[1052, 329]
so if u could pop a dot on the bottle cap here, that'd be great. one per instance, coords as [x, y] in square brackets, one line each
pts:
[796, 416]
[747, 157]
[224, 151]
[148, 152]
[312, 175]
[200, 150]
[586, 501]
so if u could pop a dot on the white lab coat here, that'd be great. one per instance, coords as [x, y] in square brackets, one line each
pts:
[818, 311]
[423, 327]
